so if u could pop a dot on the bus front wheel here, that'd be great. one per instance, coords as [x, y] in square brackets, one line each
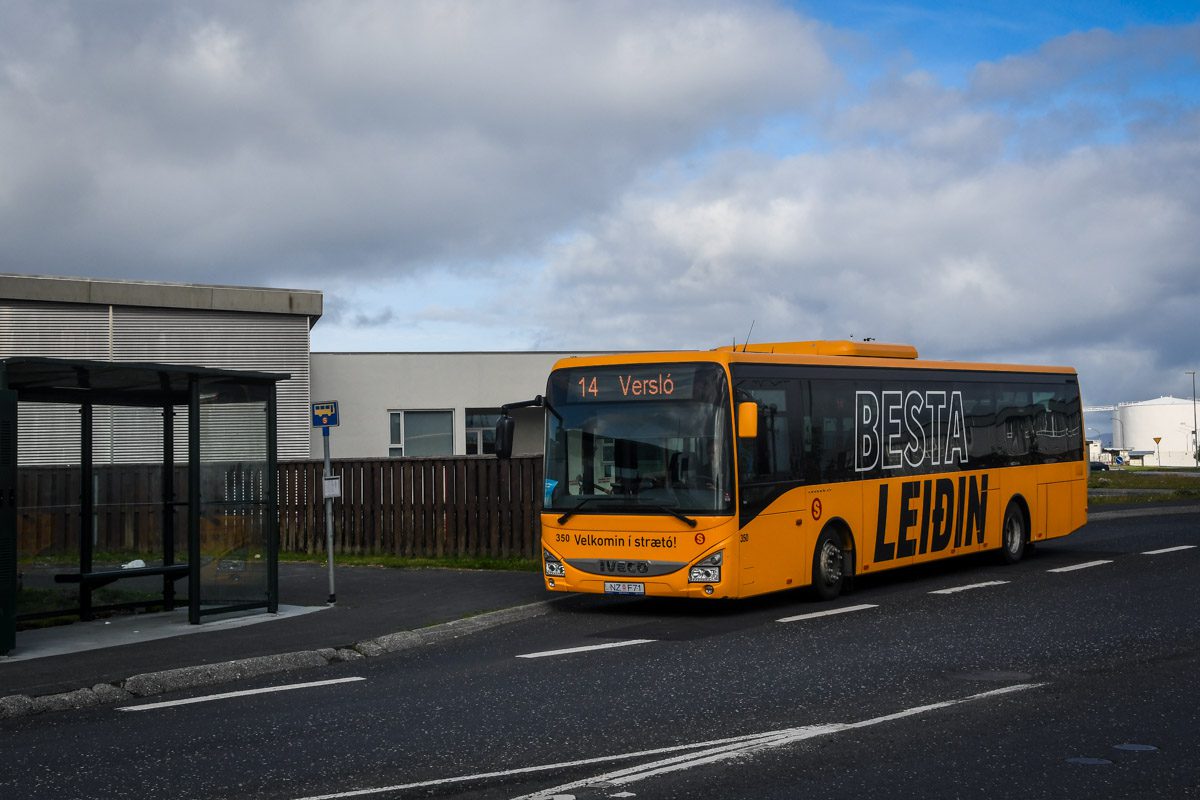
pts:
[1014, 534]
[827, 577]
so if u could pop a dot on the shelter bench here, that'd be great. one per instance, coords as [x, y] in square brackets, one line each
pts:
[105, 577]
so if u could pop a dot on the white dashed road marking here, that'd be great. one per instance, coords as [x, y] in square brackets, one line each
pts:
[584, 649]
[243, 693]
[1084, 565]
[954, 589]
[1169, 550]
[829, 613]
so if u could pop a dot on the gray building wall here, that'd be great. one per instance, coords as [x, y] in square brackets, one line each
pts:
[369, 386]
[265, 330]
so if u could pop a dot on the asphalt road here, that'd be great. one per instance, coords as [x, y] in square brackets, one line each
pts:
[1067, 684]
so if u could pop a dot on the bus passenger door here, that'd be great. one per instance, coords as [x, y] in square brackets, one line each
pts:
[770, 490]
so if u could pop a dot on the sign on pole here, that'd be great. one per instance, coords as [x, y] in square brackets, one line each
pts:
[325, 414]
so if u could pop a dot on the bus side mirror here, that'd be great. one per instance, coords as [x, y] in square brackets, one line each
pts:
[504, 436]
[747, 422]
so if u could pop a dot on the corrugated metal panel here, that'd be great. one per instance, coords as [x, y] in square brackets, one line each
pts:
[226, 340]
[49, 434]
[55, 331]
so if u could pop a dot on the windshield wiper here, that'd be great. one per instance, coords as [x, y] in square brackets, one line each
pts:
[677, 514]
[570, 513]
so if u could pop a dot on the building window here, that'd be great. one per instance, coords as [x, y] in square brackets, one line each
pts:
[421, 433]
[481, 431]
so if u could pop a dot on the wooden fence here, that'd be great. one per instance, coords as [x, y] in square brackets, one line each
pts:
[422, 507]
[127, 510]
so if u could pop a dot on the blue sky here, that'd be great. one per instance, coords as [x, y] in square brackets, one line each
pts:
[949, 39]
[999, 181]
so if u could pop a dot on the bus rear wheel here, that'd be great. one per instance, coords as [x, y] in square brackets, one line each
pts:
[827, 577]
[1014, 534]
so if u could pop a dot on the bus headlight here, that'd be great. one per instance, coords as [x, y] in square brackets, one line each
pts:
[707, 570]
[554, 567]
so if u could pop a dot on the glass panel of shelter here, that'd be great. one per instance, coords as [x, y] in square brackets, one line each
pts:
[234, 479]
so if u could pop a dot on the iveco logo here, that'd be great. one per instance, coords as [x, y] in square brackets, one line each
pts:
[611, 567]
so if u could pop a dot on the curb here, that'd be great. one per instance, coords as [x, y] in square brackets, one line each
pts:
[172, 680]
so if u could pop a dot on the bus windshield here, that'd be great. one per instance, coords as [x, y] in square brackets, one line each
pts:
[653, 439]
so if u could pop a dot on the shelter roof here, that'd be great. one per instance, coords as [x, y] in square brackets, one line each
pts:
[67, 380]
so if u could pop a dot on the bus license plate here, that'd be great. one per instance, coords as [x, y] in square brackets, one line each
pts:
[624, 588]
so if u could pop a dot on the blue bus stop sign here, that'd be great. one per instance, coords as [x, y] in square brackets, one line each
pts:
[325, 415]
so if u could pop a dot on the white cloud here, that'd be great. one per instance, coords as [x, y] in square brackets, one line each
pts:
[421, 161]
[324, 138]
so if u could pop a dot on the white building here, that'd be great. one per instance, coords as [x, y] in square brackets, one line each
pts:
[1169, 419]
[428, 404]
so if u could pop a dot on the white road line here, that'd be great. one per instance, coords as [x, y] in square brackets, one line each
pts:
[1169, 550]
[540, 768]
[771, 740]
[830, 613]
[954, 589]
[707, 752]
[585, 648]
[1084, 565]
[244, 693]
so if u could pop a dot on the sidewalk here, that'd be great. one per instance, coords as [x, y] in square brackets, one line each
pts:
[372, 602]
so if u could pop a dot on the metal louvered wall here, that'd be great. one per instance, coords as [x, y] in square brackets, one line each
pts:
[202, 338]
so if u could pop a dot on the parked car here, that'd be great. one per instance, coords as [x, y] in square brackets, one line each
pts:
[1098, 466]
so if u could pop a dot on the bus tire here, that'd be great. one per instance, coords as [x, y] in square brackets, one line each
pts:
[827, 577]
[1014, 534]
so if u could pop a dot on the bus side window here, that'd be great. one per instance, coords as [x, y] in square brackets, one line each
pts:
[770, 464]
[1012, 415]
[829, 450]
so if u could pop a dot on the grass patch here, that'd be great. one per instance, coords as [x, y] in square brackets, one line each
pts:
[1179, 480]
[401, 562]
[1126, 499]
[1144, 485]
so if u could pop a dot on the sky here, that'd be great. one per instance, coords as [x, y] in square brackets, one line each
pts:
[1001, 181]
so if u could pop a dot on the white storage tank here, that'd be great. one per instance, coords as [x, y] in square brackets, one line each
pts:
[1135, 425]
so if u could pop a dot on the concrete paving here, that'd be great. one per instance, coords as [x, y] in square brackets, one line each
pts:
[126, 629]
[373, 604]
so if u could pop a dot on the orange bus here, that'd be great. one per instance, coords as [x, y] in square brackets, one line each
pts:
[753, 469]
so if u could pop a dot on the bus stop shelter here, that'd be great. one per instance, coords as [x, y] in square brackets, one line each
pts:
[207, 494]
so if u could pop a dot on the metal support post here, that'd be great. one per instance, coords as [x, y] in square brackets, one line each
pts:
[87, 508]
[194, 499]
[271, 523]
[168, 501]
[329, 518]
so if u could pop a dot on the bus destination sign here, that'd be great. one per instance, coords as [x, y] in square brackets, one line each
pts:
[633, 383]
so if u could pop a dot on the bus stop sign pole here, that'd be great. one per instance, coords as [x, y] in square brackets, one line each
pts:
[328, 517]
[325, 416]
